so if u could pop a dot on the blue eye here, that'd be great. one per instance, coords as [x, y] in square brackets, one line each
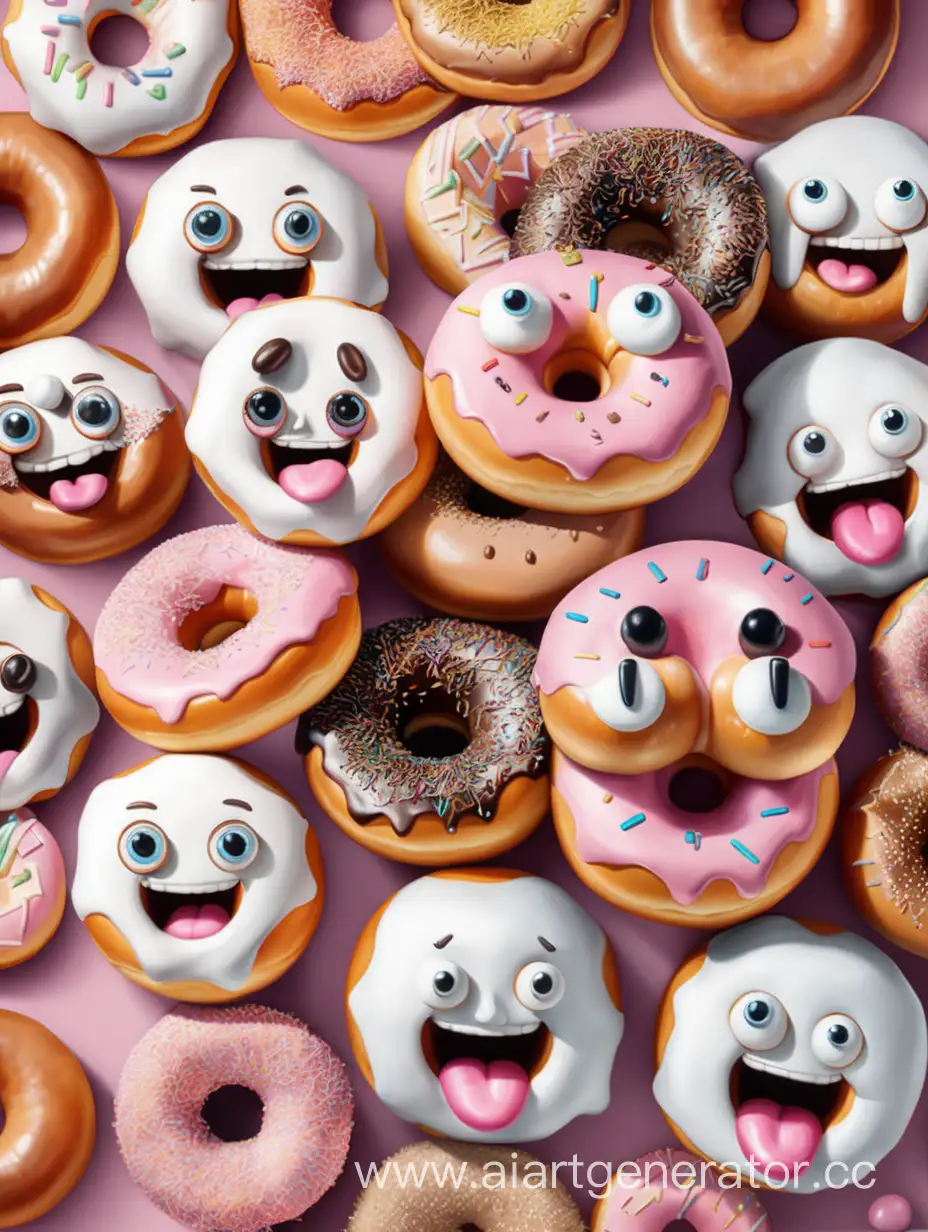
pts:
[346, 413]
[208, 227]
[903, 190]
[265, 410]
[19, 427]
[815, 191]
[758, 1013]
[96, 413]
[143, 847]
[233, 846]
[517, 302]
[647, 304]
[297, 227]
[894, 420]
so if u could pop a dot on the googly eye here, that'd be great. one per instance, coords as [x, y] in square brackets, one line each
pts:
[143, 847]
[96, 412]
[837, 1041]
[444, 985]
[347, 413]
[813, 452]
[516, 318]
[20, 427]
[817, 205]
[265, 411]
[629, 699]
[901, 205]
[297, 227]
[644, 319]
[540, 986]
[233, 846]
[762, 632]
[208, 227]
[771, 697]
[18, 673]
[758, 1021]
[644, 632]
[895, 432]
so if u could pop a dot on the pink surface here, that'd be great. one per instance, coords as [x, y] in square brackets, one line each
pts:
[72, 988]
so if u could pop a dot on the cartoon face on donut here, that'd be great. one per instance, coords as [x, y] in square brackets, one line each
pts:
[197, 877]
[848, 210]
[485, 1006]
[835, 469]
[309, 423]
[792, 1047]
[238, 223]
[92, 453]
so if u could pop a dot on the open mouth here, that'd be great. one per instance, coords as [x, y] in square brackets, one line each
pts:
[18, 721]
[485, 1075]
[309, 474]
[239, 286]
[854, 266]
[864, 518]
[190, 915]
[72, 483]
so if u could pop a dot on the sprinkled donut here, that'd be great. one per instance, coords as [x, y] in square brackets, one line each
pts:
[581, 383]
[32, 887]
[432, 749]
[195, 1177]
[216, 638]
[667, 195]
[333, 85]
[145, 108]
[897, 665]
[505, 1196]
[468, 180]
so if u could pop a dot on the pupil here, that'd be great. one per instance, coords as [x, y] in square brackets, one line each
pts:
[264, 406]
[94, 411]
[17, 426]
[299, 224]
[444, 982]
[904, 189]
[144, 846]
[644, 631]
[839, 1035]
[347, 410]
[758, 1011]
[515, 300]
[646, 303]
[814, 443]
[234, 844]
[542, 984]
[208, 224]
[894, 421]
[815, 190]
[762, 630]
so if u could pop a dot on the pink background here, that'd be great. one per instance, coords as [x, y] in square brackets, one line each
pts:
[71, 988]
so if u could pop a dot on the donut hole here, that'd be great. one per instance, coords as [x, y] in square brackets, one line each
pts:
[577, 376]
[13, 230]
[233, 1113]
[489, 505]
[679, 1225]
[769, 20]
[117, 39]
[362, 22]
[698, 788]
[214, 622]
[430, 720]
[638, 237]
[508, 222]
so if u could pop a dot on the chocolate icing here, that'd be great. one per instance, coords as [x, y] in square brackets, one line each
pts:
[351, 361]
[479, 674]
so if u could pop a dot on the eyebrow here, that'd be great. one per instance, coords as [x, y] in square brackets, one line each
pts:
[11, 389]
[85, 376]
[295, 188]
[242, 804]
[145, 804]
[443, 941]
[546, 945]
[203, 188]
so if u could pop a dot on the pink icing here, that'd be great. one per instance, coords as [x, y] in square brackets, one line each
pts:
[580, 435]
[136, 646]
[193, 1176]
[899, 664]
[32, 883]
[703, 617]
[600, 803]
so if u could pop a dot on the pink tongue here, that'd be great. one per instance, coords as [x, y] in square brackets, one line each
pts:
[772, 1134]
[191, 923]
[81, 493]
[245, 304]
[846, 277]
[7, 757]
[869, 532]
[485, 1097]
[313, 481]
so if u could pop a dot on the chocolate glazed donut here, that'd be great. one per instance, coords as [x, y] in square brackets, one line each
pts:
[685, 202]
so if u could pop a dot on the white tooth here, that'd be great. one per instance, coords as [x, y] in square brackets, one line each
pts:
[176, 887]
[853, 483]
[53, 464]
[79, 458]
[464, 1028]
[12, 707]
[871, 245]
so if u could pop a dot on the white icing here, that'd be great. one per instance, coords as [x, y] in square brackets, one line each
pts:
[386, 448]
[66, 708]
[812, 976]
[115, 106]
[495, 928]
[837, 385]
[860, 154]
[189, 790]
[250, 176]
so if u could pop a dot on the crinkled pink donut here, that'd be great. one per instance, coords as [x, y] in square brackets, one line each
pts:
[189, 1173]
[899, 664]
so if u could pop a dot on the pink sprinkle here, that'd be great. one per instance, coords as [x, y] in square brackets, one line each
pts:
[56, 4]
[49, 59]
[107, 94]
[51, 31]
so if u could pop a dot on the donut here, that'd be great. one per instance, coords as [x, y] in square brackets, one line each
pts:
[198, 1179]
[848, 215]
[431, 750]
[696, 647]
[465, 551]
[505, 1196]
[793, 1051]
[92, 452]
[69, 257]
[324, 386]
[513, 53]
[666, 195]
[483, 1004]
[216, 638]
[717, 848]
[334, 85]
[577, 344]
[32, 887]
[829, 64]
[469, 179]
[672, 1186]
[48, 710]
[197, 877]
[248, 221]
[897, 665]
[50, 1124]
[145, 108]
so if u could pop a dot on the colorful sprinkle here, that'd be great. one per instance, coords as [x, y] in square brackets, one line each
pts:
[744, 851]
[694, 838]
[59, 66]
[81, 89]
[779, 811]
[819, 645]
[451, 182]
[84, 70]
[56, 4]
[157, 72]
[614, 417]
[578, 617]
[638, 820]
[107, 94]
[767, 566]
[148, 5]
[662, 380]
[579, 416]
[608, 798]
[520, 398]
[570, 255]
[657, 571]
[130, 76]
[50, 31]
[489, 365]
[702, 571]
[49, 58]
[610, 594]
[471, 312]
[68, 19]
[594, 293]
[595, 657]
[694, 338]
[806, 599]
[174, 51]
[158, 92]
[542, 417]
[788, 577]
[640, 398]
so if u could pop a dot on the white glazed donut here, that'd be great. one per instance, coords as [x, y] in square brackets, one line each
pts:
[245, 221]
[145, 108]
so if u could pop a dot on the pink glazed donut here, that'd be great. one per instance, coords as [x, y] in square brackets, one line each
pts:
[578, 382]
[195, 1177]
[32, 887]
[899, 665]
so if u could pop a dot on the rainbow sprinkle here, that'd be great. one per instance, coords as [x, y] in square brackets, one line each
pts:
[608, 798]
[806, 599]
[49, 58]
[130, 76]
[744, 851]
[68, 19]
[594, 293]
[107, 94]
[520, 398]
[657, 571]
[638, 820]
[788, 577]
[489, 365]
[610, 594]
[640, 398]
[56, 4]
[579, 416]
[81, 89]
[702, 570]
[157, 72]
[83, 70]
[694, 338]
[570, 256]
[595, 657]
[694, 838]
[767, 566]
[578, 617]
[177, 49]
[158, 92]
[471, 312]
[779, 811]
[50, 31]
[819, 645]
[59, 66]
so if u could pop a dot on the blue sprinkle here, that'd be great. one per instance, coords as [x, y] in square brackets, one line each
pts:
[657, 571]
[130, 76]
[807, 599]
[638, 820]
[157, 72]
[694, 837]
[788, 577]
[66, 19]
[702, 571]
[578, 617]
[610, 594]
[594, 292]
[744, 851]
[774, 812]
[766, 567]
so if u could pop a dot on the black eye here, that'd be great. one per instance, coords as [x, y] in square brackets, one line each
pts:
[894, 420]
[96, 413]
[839, 1035]
[517, 301]
[644, 632]
[143, 845]
[762, 632]
[903, 190]
[814, 190]
[444, 982]
[346, 413]
[542, 984]
[757, 1012]
[264, 412]
[18, 674]
[647, 304]
[814, 443]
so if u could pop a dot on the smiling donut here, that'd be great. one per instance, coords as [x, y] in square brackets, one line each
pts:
[484, 1005]
[197, 877]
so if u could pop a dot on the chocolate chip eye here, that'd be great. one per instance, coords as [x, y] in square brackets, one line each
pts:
[644, 632]
[762, 632]
[18, 674]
